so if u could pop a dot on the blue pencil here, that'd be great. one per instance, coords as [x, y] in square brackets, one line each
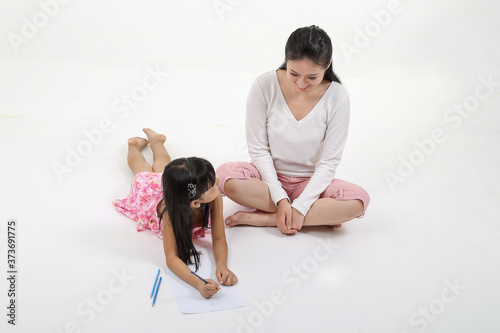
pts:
[156, 293]
[152, 291]
[199, 277]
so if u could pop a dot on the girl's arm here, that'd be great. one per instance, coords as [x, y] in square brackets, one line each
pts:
[176, 265]
[224, 275]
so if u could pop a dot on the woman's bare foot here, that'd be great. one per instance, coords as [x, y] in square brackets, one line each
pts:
[256, 218]
[153, 136]
[335, 226]
[137, 142]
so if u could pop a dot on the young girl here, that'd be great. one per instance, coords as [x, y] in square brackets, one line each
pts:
[183, 205]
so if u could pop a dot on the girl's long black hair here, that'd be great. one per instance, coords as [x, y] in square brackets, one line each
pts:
[178, 180]
[314, 44]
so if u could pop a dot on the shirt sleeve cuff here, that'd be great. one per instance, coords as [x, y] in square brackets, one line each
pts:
[276, 197]
[301, 208]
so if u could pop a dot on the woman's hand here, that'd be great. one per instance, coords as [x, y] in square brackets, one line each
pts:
[225, 276]
[297, 219]
[207, 290]
[284, 217]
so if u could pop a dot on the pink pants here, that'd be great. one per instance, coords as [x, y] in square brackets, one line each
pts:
[293, 186]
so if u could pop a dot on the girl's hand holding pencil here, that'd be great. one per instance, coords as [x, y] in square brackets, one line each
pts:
[208, 288]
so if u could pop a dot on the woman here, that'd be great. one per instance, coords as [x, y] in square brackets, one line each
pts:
[297, 120]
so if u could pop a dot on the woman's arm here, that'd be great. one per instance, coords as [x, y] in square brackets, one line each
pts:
[260, 152]
[258, 144]
[176, 265]
[224, 275]
[331, 154]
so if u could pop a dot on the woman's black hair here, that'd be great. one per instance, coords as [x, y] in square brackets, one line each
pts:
[185, 180]
[314, 44]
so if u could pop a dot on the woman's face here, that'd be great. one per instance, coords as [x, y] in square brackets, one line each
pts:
[304, 74]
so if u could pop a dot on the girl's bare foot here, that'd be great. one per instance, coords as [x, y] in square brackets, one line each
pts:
[137, 142]
[256, 218]
[153, 136]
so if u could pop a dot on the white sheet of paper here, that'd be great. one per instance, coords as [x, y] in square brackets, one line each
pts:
[189, 300]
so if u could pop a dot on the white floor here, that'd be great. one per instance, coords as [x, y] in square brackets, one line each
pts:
[423, 259]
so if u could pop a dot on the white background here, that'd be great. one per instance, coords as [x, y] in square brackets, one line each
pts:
[407, 72]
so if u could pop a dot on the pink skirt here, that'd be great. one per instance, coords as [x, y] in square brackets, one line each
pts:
[140, 204]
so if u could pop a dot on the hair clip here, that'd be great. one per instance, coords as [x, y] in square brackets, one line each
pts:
[192, 190]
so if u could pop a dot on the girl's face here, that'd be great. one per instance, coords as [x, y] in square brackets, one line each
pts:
[211, 193]
[304, 74]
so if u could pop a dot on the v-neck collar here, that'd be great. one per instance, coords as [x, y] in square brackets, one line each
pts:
[277, 82]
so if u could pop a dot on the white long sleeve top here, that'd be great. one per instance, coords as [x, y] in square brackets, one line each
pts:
[311, 147]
